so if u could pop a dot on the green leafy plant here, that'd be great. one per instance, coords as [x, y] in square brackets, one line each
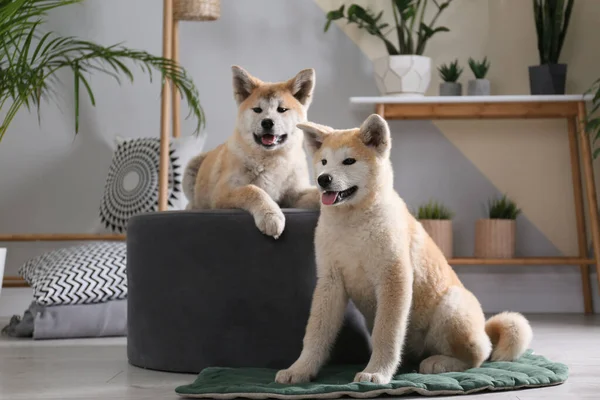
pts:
[450, 72]
[503, 208]
[434, 210]
[592, 119]
[31, 58]
[551, 24]
[479, 68]
[411, 30]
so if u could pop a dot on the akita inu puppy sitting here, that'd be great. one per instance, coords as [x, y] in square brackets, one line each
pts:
[263, 164]
[369, 248]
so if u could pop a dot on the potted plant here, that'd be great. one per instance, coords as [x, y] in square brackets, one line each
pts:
[450, 74]
[551, 23]
[495, 235]
[437, 221]
[479, 86]
[404, 71]
[31, 58]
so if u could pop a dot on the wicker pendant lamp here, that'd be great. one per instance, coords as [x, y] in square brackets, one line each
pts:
[173, 12]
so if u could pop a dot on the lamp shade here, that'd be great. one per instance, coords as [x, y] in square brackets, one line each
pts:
[196, 10]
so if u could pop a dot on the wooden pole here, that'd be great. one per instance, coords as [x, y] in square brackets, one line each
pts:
[588, 304]
[163, 177]
[590, 185]
[176, 96]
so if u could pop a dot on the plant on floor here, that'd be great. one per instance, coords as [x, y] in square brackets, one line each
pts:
[479, 68]
[551, 24]
[31, 58]
[434, 210]
[410, 27]
[503, 208]
[450, 72]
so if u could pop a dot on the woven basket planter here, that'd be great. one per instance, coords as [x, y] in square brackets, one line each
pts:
[196, 10]
[495, 238]
[440, 231]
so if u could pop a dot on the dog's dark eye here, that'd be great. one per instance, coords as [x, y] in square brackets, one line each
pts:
[281, 109]
[349, 161]
[324, 161]
[257, 110]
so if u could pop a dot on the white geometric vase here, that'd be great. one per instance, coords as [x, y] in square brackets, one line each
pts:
[2, 261]
[404, 75]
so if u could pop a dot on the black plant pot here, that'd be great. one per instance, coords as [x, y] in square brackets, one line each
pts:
[547, 78]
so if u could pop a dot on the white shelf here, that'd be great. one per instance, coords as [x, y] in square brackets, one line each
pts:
[469, 99]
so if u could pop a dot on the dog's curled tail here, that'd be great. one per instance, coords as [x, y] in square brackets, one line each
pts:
[189, 176]
[510, 334]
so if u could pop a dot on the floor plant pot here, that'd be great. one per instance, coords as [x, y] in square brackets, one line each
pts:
[402, 75]
[547, 78]
[450, 89]
[440, 231]
[495, 238]
[478, 87]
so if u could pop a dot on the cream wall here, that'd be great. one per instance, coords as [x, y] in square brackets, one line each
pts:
[529, 160]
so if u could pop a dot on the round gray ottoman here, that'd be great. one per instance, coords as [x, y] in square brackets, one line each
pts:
[206, 288]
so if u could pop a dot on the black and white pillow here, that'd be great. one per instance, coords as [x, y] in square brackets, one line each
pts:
[90, 273]
[132, 184]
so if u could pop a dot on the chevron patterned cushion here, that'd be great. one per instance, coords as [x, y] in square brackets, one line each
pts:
[90, 273]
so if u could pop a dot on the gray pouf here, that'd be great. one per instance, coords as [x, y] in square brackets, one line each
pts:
[206, 288]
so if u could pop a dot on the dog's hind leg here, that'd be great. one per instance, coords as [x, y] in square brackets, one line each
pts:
[456, 338]
[189, 178]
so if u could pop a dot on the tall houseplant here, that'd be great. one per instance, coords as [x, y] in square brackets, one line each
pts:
[404, 71]
[551, 23]
[30, 59]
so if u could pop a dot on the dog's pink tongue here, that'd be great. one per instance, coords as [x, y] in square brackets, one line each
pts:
[328, 198]
[268, 139]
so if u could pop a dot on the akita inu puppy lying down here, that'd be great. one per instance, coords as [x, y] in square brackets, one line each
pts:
[369, 248]
[263, 164]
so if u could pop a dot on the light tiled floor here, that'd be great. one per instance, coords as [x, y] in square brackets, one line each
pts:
[98, 369]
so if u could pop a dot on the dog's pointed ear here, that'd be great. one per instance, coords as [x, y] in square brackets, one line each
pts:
[243, 83]
[303, 85]
[375, 133]
[314, 134]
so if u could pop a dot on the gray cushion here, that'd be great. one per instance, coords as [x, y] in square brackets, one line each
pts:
[206, 288]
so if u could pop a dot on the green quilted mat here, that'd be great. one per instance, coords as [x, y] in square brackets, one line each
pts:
[530, 371]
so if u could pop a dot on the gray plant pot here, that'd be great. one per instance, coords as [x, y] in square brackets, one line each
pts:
[547, 78]
[450, 89]
[478, 87]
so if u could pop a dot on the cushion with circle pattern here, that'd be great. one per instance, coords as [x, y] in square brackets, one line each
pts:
[132, 183]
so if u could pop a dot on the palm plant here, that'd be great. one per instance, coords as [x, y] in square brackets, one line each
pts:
[30, 59]
[409, 19]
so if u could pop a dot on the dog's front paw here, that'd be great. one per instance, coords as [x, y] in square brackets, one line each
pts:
[271, 222]
[292, 376]
[372, 377]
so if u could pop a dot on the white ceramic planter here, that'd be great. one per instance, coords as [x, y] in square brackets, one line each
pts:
[405, 75]
[2, 261]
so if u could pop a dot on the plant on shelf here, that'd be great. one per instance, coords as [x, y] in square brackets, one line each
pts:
[436, 218]
[551, 24]
[412, 32]
[450, 74]
[479, 86]
[31, 58]
[592, 119]
[495, 235]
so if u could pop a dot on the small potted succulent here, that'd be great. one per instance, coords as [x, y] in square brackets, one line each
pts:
[450, 74]
[479, 86]
[437, 221]
[495, 235]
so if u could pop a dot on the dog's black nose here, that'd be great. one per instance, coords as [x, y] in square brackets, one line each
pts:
[324, 180]
[266, 123]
